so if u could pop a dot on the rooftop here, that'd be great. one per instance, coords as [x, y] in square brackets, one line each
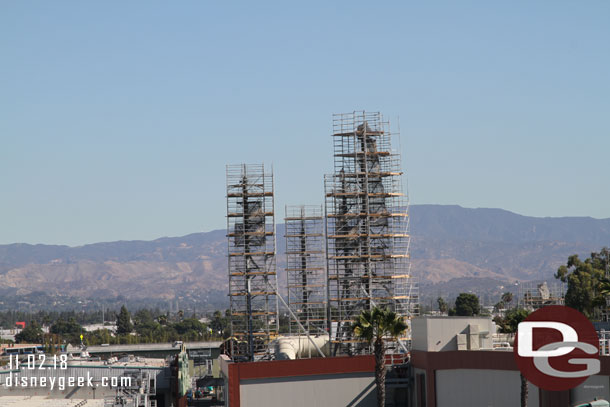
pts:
[130, 361]
[147, 347]
[42, 401]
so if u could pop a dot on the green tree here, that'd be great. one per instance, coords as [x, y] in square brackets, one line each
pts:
[190, 329]
[30, 334]
[514, 317]
[162, 319]
[69, 330]
[98, 337]
[499, 306]
[220, 324]
[145, 325]
[442, 305]
[373, 326]
[123, 322]
[604, 287]
[143, 317]
[467, 305]
[585, 280]
[511, 320]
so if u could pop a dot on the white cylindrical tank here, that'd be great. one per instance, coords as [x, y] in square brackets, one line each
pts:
[296, 347]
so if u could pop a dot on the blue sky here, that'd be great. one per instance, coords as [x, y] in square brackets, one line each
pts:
[117, 118]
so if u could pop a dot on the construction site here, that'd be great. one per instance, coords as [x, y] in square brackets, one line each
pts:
[345, 254]
[367, 228]
[348, 255]
[533, 295]
[251, 253]
[305, 269]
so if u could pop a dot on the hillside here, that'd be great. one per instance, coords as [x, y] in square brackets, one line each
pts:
[450, 243]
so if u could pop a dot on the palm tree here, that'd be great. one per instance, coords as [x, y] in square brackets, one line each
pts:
[523, 391]
[507, 298]
[373, 326]
[513, 318]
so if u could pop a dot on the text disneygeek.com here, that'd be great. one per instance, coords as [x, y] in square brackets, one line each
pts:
[62, 382]
[40, 363]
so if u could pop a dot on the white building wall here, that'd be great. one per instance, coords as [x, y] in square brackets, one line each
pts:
[419, 334]
[436, 334]
[354, 390]
[481, 388]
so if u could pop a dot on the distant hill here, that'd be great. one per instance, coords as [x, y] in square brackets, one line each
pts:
[501, 242]
[497, 225]
[450, 243]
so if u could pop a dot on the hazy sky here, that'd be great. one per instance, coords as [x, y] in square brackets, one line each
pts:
[117, 118]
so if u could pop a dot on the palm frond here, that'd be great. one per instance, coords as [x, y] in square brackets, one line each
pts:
[377, 324]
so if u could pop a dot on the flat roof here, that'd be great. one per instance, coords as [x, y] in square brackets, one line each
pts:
[43, 401]
[18, 345]
[148, 347]
[136, 362]
[452, 317]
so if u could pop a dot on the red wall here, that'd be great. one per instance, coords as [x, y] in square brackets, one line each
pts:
[294, 368]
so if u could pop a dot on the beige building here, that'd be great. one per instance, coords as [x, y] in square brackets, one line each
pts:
[332, 381]
[455, 364]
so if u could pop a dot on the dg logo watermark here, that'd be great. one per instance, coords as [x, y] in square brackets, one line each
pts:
[557, 348]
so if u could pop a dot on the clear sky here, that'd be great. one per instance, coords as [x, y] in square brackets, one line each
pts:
[117, 118]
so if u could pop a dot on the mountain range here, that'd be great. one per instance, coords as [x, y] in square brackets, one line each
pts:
[451, 247]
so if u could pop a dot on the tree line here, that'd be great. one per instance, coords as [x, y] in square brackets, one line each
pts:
[588, 291]
[144, 326]
[588, 283]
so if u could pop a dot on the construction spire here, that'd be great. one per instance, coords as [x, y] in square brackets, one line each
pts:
[252, 273]
[305, 271]
[367, 228]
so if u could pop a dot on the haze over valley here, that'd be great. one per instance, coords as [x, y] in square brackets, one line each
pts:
[452, 248]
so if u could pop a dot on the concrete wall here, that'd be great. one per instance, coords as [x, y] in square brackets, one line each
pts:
[332, 381]
[354, 389]
[594, 386]
[481, 388]
[434, 334]
[415, 391]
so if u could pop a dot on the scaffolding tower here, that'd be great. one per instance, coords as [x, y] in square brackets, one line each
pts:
[366, 227]
[305, 269]
[252, 275]
[605, 311]
[535, 295]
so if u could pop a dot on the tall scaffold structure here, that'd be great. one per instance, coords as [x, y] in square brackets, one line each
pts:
[305, 268]
[367, 229]
[252, 264]
[605, 252]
